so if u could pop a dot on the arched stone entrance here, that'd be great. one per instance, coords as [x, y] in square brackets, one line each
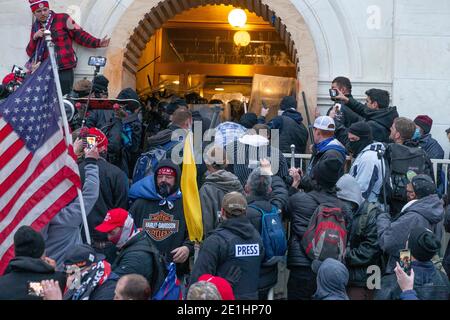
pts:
[142, 18]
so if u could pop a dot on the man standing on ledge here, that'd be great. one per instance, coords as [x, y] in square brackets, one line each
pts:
[64, 30]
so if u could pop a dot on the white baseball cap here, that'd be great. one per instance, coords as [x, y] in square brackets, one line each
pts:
[325, 123]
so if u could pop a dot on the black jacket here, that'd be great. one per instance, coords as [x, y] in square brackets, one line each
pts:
[234, 246]
[363, 249]
[21, 271]
[113, 194]
[292, 131]
[140, 256]
[301, 207]
[429, 283]
[380, 120]
[120, 155]
[106, 291]
[307, 183]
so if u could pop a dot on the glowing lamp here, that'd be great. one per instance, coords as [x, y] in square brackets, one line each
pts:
[237, 18]
[242, 38]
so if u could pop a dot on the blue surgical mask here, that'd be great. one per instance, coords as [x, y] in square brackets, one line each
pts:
[417, 134]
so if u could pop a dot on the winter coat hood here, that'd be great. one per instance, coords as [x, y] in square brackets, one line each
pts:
[349, 190]
[332, 278]
[385, 116]
[224, 180]
[430, 207]
[240, 226]
[294, 115]
[28, 264]
[146, 188]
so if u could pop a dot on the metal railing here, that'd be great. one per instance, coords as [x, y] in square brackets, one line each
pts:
[444, 162]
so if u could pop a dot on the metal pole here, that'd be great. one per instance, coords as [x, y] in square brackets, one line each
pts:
[292, 156]
[51, 49]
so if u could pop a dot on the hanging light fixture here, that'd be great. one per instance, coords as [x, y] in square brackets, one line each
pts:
[242, 38]
[237, 18]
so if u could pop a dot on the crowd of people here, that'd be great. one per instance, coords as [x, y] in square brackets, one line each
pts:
[330, 222]
[381, 202]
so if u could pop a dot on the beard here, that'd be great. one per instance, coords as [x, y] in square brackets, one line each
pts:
[164, 189]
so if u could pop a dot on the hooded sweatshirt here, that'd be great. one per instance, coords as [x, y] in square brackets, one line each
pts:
[292, 131]
[363, 249]
[216, 185]
[162, 218]
[22, 270]
[379, 120]
[427, 212]
[233, 251]
[332, 278]
[63, 231]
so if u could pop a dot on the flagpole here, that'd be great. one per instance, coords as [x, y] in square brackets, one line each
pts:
[51, 49]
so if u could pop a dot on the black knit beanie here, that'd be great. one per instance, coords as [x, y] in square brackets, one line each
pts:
[100, 84]
[326, 172]
[423, 244]
[361, 129]
[249, 120]
[28, 243]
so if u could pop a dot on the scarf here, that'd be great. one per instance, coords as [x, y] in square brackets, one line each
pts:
[41, 46]
[128, 232]
[146, 189]
[90, 280]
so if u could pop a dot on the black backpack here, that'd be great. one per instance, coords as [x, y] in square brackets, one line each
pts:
[404, 159]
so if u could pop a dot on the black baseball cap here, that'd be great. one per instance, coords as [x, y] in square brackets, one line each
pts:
[82, 255]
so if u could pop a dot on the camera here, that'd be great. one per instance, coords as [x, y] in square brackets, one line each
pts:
[333, 93]
[97, 61]
[19, 72]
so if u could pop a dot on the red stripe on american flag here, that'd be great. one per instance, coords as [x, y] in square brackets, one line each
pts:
[43, 164]
[32, 201]
[40, 222]
[7, 156]
[6, 131]
[13, 177]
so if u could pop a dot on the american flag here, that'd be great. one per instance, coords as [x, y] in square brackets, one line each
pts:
[38, 172]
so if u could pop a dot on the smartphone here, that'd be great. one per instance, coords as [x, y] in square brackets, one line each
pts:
[333, 93]
[97, 61]
[405, 260]
[90, 142]
[35, 289]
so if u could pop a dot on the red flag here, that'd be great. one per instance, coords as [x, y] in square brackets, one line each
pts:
[38, 172]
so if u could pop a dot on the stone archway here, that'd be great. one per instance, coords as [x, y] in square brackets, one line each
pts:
[145, 17]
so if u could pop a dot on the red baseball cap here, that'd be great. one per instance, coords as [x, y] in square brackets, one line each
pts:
[37, 4]
[222, 285]
[114, 218]
[102, 140]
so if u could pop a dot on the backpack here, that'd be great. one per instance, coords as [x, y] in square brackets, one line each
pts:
[326, 235]
[272, 234]
[148, 161]
[402, 160]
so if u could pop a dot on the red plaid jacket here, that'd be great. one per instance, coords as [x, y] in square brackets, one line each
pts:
[64, 31]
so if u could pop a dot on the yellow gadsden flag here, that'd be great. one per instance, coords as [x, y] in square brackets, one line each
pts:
[189, 191]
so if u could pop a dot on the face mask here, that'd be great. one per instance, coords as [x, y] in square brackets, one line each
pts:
[417, 134]
[355, 147]
[116, 239]
[164, 189]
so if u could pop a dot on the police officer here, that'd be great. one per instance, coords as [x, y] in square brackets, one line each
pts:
[233, 251]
